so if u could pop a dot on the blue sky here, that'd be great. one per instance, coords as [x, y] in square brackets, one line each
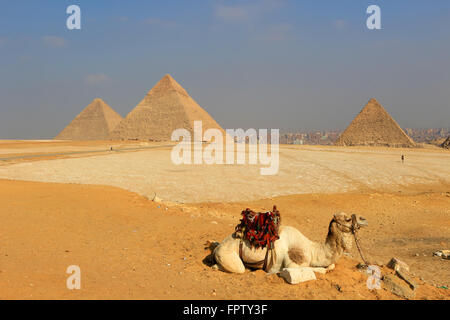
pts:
[250, 63]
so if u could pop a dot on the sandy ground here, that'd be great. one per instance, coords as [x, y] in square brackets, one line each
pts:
[131, 248]
[303, 170]
[17, 151]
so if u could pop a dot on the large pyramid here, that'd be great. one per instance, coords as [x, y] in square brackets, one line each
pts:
[95, 122]
[373, 126]
[166, 107]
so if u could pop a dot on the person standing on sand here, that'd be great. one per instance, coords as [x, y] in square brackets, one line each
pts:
[403, 158]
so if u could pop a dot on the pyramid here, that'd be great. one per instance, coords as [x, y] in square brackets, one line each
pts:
[166, 107]
[95, 122]
[446, 144]
[373, 126]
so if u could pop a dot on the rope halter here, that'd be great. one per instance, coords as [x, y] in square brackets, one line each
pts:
[354, 230]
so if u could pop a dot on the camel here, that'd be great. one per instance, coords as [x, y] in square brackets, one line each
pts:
[292, 249]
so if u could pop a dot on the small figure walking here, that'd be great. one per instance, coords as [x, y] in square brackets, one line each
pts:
[403, 158]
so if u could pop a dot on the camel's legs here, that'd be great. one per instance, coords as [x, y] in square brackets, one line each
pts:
[229, 260]
[288, 263]
[323, 270]
[320, 270]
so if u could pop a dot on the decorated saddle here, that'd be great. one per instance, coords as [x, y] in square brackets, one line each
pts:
[260, 229]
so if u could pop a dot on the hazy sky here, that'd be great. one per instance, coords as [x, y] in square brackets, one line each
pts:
[252, 64]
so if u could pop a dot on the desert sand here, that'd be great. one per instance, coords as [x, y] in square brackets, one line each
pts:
[303, 170]
[94, 210]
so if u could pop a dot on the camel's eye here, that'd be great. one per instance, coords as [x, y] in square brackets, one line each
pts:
[348, 220]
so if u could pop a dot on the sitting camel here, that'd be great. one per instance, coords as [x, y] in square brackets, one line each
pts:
[292, 250]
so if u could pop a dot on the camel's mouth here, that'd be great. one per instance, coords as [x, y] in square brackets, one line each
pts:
[362, 222]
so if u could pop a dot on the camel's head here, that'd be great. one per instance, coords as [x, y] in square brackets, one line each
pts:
[347, 223]
[343, 226]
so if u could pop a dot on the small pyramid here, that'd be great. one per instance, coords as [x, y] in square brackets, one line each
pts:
[373, 126]
[166, 107]
[446, 144]
[95, 122]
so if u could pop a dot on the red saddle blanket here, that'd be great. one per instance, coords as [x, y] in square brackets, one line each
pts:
[259, 228]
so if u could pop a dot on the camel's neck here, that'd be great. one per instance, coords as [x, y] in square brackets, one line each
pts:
[329, 252]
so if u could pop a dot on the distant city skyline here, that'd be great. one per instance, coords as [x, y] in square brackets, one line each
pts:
[291, 65]
[328, 137]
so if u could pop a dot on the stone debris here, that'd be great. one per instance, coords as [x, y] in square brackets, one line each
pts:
[398, 265]
[398, 287]
[405, 277]
[297, 275]
[401, 283]
[444, 254]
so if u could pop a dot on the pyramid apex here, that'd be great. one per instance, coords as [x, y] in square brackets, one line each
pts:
[98, 101]
[168, 83]
[373, 101]
[372, 105]
[168, 78]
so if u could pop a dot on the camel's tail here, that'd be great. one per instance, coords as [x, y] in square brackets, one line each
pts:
[211, 245]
